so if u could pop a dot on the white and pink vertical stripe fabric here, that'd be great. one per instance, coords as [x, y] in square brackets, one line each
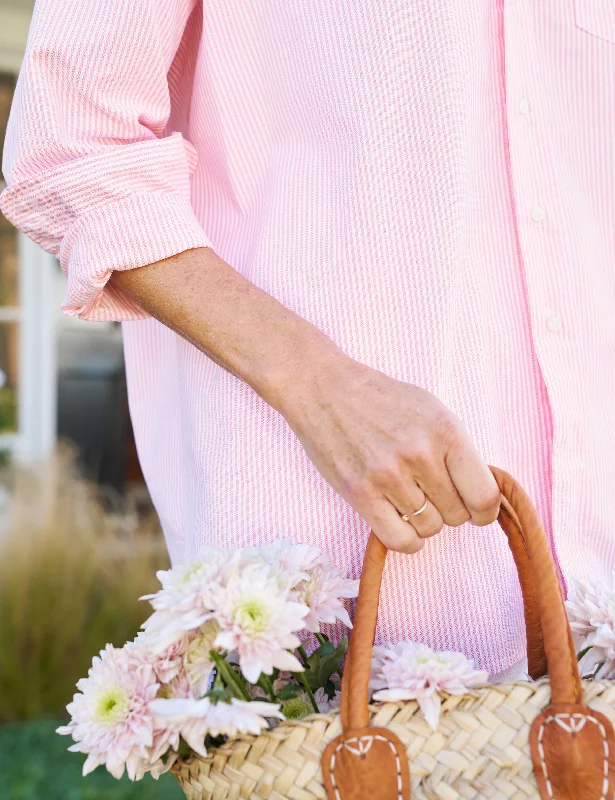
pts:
[431, 184]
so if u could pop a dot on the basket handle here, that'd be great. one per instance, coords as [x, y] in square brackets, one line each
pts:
[549, 638]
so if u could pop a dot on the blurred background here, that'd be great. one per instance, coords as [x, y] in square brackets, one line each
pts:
[79, 538]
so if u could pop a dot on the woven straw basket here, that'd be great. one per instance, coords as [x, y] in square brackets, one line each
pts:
[551, 739]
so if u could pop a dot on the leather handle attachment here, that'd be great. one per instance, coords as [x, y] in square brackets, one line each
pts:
[572, 747]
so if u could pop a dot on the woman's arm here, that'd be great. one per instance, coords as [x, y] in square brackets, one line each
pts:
[94, 178]
[372, 437]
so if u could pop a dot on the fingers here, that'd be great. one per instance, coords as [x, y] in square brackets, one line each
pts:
[395, 534]
[474, 482]
[437, 483]
[407, 498]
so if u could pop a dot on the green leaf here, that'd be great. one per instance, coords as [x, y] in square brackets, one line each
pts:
[184, 749]
[323, 662]
[329, 688]
[219, 695]
[288, 692]
[326, 649]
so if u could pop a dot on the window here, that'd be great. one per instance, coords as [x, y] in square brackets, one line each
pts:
[27, 342]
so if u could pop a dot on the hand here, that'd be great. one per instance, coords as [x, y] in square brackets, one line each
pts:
[384, 445]
[387, 446]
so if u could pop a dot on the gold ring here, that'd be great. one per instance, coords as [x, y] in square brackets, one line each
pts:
[406, 517]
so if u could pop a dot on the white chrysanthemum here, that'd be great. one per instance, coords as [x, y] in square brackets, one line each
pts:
[188, 597]
[195, 719]
[258, 619]
[198, 663]
[410, 671]
[110, 717]
[322, 593]
[290, 561]
[591, 610]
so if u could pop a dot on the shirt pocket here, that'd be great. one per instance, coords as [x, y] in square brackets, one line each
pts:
[596, 17]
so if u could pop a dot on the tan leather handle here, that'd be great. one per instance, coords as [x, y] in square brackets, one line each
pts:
[550, 644]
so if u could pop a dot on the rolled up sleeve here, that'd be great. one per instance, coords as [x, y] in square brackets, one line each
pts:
[93, 176]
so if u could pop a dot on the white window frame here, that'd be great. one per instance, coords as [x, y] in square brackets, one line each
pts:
[37, 379]
[35, 315]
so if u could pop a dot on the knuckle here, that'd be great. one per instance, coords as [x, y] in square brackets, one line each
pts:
[358, 488]
[388, 472]
[422, 459]
[449, 428]
[487, 502]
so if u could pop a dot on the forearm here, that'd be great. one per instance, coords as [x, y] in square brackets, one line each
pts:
[385, 446]
[239, 326]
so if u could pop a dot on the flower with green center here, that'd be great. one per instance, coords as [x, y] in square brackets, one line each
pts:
[113, 705]
[110, 716]
[258, 618]
[252, 615]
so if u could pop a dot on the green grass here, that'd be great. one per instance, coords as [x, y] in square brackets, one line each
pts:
[35, 765]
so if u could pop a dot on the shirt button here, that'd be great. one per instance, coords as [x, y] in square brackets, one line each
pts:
[554, 324]
[524, 106]
[538, 213]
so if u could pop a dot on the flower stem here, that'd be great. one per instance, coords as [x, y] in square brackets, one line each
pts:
[303, 654]
[309, 692]
[229, 676]
[266, 684]
[583, 652]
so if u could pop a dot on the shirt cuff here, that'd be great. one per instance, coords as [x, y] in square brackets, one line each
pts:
[119, 208]
[133, 232]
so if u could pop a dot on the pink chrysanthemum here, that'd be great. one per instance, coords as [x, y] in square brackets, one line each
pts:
[258, 619]
[322, 593]
[110, 717]
[410, 671]
[167, 663]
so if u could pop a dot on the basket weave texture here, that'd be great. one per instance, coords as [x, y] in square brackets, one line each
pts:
[480, 749]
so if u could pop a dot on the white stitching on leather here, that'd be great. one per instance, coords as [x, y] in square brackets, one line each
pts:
[364, 743]
[576, 722]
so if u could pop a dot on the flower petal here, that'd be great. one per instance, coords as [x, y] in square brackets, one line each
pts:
[430, 706]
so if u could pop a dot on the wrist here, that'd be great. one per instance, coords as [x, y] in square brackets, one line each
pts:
[297, 376]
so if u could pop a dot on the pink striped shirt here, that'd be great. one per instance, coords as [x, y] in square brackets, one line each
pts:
[431, 184]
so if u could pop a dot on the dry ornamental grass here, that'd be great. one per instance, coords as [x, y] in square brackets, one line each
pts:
[70, 578]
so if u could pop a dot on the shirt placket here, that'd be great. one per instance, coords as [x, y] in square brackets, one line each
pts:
[542, 223]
